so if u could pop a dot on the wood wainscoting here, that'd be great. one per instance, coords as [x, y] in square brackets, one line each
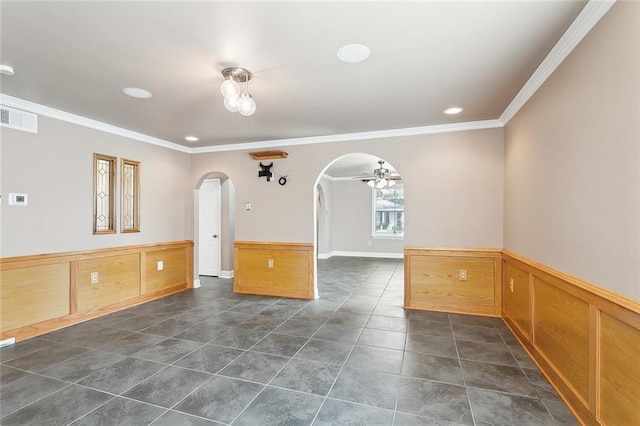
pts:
[273, 269]
[434, 280]
[585, 339]
[42, 293]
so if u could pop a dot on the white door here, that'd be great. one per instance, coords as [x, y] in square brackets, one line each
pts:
[209, 202]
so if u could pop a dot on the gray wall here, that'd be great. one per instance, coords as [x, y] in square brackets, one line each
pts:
[352, 224]
[455, 181]
[55, 169]
[572, 195]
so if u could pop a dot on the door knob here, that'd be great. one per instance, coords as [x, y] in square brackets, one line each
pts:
[215, 235]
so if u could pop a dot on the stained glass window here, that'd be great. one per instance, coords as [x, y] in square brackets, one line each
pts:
[103, 190]
[130, 197]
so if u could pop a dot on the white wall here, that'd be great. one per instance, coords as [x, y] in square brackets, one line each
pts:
[353, 217]
[325, 214]
[455, 181]
[55, 169]
[572, 196]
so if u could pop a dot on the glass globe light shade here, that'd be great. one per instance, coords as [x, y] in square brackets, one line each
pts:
[230, 88]
[246, 104]
[231, 104]
[382, 183]
[391, 183]
[371, 183]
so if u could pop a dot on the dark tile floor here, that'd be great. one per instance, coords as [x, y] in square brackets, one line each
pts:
[208, 356]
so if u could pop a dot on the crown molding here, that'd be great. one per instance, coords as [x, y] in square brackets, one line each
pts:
[348, 178]
[592, 12]
[346, 137]
[57, 114]
[342, 178]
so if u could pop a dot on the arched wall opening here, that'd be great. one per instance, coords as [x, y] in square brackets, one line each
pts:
[344, 212]
[226, 224]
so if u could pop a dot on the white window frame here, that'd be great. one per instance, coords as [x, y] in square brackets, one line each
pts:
[374, 234]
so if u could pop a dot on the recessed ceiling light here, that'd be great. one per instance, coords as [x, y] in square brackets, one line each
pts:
[192, 138]
[6, 70]
[352, 53]
[453, 110]
[136, 92]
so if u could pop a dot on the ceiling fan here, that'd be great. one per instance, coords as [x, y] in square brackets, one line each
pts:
[380, 178]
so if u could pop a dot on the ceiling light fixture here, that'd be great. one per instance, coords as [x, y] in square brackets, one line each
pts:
[352, 53]
[381, 177]
[192, 138]
[6, 70]
[234, 100]
[453, 110]
[136, 92]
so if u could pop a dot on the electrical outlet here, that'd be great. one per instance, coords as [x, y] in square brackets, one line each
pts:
[270, 263]
[511, 284]
[94, 278]
[160, 265]
[463, 274]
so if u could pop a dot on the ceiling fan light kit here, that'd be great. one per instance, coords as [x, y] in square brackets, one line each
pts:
[234, 99]
[381, 178]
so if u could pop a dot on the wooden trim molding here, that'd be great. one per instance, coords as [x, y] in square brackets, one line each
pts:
[585, 339]
[45, 292]
[453, 280]
[274, 269]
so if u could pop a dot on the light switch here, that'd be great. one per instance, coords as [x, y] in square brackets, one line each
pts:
[160, 265]
[18, 199]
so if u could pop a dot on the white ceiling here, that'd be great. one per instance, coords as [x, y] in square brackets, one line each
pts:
[425, 56]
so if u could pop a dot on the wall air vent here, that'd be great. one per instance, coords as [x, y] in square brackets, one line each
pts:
[17, 119]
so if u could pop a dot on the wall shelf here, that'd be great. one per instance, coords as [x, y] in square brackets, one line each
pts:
[268, 155]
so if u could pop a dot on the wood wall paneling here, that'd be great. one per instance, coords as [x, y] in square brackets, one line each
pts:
[291, 274]
[34, 294]
[561, 323]
[619, 372]
[585, 339]
[434, 281]
[42, 293]
[516, 301]
[118, 279]
[174, 270]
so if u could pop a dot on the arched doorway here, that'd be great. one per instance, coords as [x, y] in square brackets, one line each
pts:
[217, 190]
[358, 210]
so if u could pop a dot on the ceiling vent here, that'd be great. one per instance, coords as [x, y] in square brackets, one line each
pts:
[17, 119]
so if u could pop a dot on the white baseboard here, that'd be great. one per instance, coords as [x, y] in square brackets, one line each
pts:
[226, 274]
[362, 254]
[7, 342]
[196, 283]
[325, 255]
